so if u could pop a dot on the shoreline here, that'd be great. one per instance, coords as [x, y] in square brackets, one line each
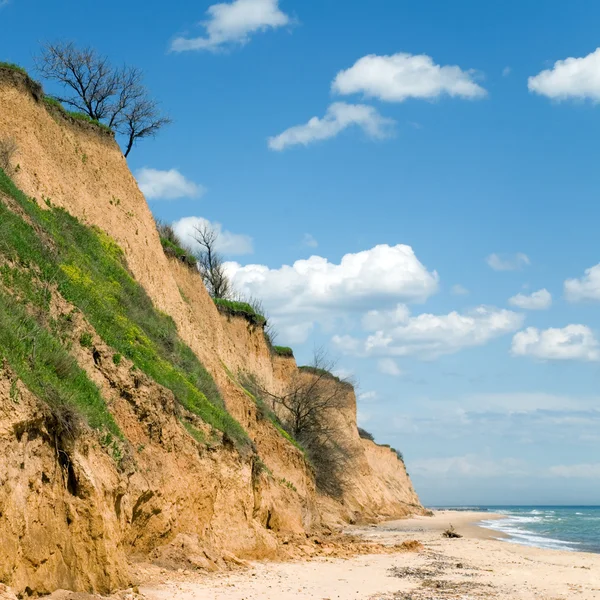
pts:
[478, 565]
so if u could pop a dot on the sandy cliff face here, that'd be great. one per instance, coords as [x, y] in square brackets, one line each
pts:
[73, 524]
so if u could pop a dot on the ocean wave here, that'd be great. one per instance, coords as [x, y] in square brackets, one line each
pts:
[511, 527]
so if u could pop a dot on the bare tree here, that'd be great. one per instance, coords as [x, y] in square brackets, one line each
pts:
[309, 411]
[211, 263]
[114, 96]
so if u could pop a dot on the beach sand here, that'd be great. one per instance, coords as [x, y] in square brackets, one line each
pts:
[474, 566]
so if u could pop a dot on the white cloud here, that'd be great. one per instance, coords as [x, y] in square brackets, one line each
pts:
[573, 342]
[586, 288]
[506, 71]
[309, 241]
[539, 300]
[167, 185]
[400, 76]
[576, 78]
[459, 290]
[233, 23]
[508, 263]
[581, 471]
[469, 465]
[230, 244]
[339, 117]
[375, 320]
[388, 366]
[367, 396]
[316, 290]
[428, 336]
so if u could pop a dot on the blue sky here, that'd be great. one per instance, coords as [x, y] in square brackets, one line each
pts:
[438, 157]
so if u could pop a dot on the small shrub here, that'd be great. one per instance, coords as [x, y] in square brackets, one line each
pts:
[117, 358]
[166, 232]
[176, 251]
[283, 351]
[85, 340]
[63, 421]
[62, 363]
[365, 435]
[399, 454]
[451, 533]
[8, 148]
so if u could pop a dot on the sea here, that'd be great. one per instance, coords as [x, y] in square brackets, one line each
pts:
[572, 528]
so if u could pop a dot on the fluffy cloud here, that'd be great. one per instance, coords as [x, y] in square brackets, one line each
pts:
[166, 185]
[428, 336]
[400, 76]
[508, 263]
[577, 78]
[339, 117]
[581, 471]
[388, 366]
[230, 244]
[315, 289]
[573, 342]
[539, 300]
[233, 23]
[586, 288]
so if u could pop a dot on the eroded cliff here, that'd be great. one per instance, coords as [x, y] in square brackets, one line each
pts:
[173, 459]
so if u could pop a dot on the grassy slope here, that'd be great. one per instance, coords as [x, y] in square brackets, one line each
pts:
[89, 271]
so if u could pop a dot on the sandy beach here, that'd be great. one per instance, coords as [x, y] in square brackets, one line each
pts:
[478, 565]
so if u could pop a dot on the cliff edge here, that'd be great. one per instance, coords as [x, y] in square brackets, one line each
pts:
[125, 428]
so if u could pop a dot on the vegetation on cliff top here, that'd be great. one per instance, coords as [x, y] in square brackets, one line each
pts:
[12, 67]
[88, 269]
[79, 116]
[240, 309]
[173, 246]
[284, 351]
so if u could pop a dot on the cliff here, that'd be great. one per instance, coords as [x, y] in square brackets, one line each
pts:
[125, 431]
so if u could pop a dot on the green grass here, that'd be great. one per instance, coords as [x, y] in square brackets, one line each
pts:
[13, 67]
[89, 271]
[240, 309]
[178, 252]
[44, 365]
[50, 101]
[194, 432]
[77, 115]
[283, 351]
